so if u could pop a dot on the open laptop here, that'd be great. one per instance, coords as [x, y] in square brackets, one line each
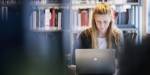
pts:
[95, 61]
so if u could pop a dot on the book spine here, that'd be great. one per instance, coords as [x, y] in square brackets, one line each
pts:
[56, 18]
[75, 19]
[34, 17]
[42, 18]
[79, 20]
[53, 16]
[84, 18]
[38, 19]
[90, 17]
[47, 18]
[59, 20]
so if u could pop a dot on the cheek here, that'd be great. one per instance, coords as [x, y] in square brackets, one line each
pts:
[106, 27]
[97, 25]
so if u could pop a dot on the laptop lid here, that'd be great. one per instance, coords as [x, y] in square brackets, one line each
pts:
[95, 61]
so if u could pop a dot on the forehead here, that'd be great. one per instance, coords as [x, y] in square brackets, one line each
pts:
[102, 17]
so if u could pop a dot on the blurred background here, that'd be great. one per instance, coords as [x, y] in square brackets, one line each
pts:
[38, 37]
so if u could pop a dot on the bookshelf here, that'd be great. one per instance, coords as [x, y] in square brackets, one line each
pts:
[6, 6]
[77, 15]
[9, 2]
[46, 15]
[125, 9]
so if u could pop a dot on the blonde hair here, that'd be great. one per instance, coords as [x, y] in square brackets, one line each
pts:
[112, 32]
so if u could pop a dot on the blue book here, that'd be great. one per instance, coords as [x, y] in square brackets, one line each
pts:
[42, 18]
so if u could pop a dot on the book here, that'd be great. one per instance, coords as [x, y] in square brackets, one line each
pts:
[34, 17]
[56, 18]
[79, 21]
[136, 1]
[42, 18]
[53, 16]
[83, 1]
[59, 20]
[47, 18]
[54, 1]
[84, 17]
[132, 12]
[120, 1]
[90, 17]
[75, 18]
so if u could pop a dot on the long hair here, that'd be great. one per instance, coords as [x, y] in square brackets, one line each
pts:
[112, 31]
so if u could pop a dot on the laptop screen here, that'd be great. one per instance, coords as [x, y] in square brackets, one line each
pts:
[95, 61]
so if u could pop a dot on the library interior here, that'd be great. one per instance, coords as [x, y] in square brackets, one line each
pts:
[75, 37]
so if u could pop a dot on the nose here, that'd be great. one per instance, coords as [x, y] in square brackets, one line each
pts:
[102, 25]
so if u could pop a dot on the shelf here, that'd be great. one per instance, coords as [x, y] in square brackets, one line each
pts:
[77, 6]
[44, 6]
[125, 4]
[128, 29]
[11, 3]
[54, 29]
[74, 5]
[126, 26]
[83, 2]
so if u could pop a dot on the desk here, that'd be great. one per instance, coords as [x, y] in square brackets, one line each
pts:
[72, 70]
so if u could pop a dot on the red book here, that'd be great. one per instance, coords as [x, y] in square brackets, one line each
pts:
[53, 16]
[84, 18]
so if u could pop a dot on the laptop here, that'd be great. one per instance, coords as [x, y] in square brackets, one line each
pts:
[95, 61]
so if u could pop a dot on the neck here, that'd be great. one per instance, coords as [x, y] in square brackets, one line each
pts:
[101, 35]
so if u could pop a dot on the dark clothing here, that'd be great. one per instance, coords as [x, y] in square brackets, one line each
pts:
[85, 42]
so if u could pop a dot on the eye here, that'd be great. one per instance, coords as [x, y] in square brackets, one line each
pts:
[99, 22]
[105, 22]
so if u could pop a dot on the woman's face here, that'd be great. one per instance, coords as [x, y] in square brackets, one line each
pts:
[102, 22]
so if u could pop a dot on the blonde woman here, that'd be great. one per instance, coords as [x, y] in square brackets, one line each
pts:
[103, 33]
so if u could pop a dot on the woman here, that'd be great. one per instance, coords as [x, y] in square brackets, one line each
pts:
[103, 33]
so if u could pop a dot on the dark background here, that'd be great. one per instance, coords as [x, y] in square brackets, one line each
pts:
[24, 52]
[21, 50]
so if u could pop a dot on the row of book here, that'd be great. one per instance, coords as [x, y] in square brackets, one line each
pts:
[127, 17]
[9, 2]
[51, 18]
[81, 19]
[46, 19]
[45, 1]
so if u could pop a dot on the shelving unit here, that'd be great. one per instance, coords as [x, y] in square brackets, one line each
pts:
[46, 16]
[6, 5]
[77, 15]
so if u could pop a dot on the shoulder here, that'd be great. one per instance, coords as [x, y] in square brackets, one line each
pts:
[86, 33]
[117, 32]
